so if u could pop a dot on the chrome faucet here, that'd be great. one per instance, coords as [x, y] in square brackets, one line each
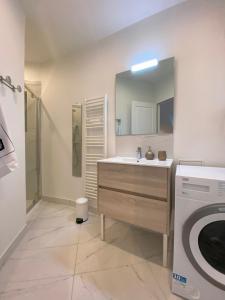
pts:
[139, 154]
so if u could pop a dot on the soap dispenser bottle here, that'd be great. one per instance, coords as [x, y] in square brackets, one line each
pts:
[149, 155]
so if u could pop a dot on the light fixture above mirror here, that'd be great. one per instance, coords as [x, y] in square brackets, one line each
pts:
[145, 65]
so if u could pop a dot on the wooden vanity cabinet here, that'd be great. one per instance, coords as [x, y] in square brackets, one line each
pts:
[138, 195]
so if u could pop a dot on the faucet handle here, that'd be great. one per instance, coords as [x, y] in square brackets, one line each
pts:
[139, 154]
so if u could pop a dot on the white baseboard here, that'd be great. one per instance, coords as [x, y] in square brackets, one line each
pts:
[30, 216]
[66, 202]
[13, 245]
[59, 200]
[32, 213]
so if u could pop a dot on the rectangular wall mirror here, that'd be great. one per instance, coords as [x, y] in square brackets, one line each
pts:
[145, 100]
[77, 140]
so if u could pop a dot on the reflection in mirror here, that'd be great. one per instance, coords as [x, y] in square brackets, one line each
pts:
[77, 139]
[145, 100]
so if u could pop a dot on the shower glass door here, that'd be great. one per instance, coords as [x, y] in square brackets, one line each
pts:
[32, 139]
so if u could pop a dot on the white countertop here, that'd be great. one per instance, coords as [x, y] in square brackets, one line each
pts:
[138, 162]
[214, 173]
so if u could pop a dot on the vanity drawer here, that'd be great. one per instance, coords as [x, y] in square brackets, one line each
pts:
[144, 212]
[142, 180]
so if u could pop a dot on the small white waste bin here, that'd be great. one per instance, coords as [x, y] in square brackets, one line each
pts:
[81, 210]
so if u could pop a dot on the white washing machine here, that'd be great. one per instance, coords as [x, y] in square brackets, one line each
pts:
[199, 233]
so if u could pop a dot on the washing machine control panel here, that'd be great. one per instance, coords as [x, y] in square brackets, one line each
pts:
[200, 189]
[221, 189]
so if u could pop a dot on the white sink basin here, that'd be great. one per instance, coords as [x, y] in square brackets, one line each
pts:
[141, 162]
[127, 159]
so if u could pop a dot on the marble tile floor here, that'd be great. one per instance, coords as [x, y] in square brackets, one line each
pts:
[58, 259]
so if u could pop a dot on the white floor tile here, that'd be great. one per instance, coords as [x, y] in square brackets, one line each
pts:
[90, 231]
[44, 289]
[125, 266]
[54, 221]
[52, 237]
[124, 283]
[55, 210]
[38, 264]
[124, 245]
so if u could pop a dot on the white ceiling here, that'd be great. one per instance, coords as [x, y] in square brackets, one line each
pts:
[58, 27]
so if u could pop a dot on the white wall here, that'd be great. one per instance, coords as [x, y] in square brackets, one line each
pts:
[193, 33]
[32, 72]
[12, 186]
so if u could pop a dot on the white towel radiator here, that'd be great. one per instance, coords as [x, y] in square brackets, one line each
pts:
[95, 119]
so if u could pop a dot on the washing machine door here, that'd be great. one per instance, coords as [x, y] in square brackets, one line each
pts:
[204, 242]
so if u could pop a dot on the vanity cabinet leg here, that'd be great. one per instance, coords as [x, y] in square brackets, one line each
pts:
[165, 250]
[102, 227]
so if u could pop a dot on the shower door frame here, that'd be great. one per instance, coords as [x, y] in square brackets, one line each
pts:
[38, 194]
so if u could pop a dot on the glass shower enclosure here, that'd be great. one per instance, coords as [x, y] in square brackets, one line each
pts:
[33, 143]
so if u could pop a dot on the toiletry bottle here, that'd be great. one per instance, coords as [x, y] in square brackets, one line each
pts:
[162, 155]
[149, 155]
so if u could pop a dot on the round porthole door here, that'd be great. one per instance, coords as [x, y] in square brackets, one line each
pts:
[204, 242]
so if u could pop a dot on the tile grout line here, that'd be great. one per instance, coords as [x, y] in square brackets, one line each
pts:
[45, 247]
[67, 276]
[124, 265]
[75, 263]
[56, 279]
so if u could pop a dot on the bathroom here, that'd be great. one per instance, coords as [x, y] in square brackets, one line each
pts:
[70, 52]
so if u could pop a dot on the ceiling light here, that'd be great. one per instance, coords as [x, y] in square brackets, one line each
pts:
[145, 65]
